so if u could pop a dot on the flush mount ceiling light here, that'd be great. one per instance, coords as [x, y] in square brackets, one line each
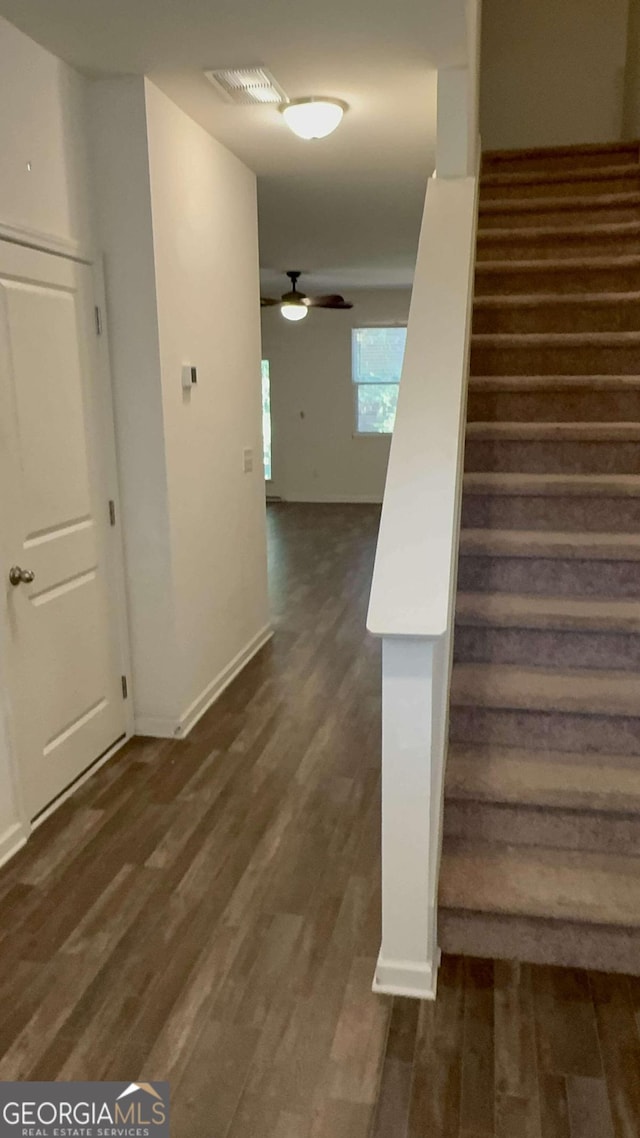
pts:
[313, 116]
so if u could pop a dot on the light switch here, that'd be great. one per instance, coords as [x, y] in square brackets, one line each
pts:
[247, 460]
[189, 376]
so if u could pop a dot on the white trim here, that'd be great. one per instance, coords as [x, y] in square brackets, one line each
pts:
[160, 727]
[406, 978]
[13, 840]
[335, 499]
[80, 781]
[46, 242]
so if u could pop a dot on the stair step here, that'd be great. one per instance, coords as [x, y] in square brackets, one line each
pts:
[554, 382]
[545, 485]
[521, 611]
[590, 176]
[542, 544]
[566, 274]
[569, 210]
[585, 431]
[557, 313]
[555, 779]
[564, 241]
[558, 157]
[580, 692]
[576, 908]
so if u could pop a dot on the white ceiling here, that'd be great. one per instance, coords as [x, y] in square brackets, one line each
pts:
[345, 209]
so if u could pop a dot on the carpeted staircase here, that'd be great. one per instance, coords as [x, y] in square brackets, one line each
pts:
[541, 857]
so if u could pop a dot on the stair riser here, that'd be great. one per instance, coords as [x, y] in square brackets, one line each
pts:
[549, 577]
[553, 247]
[569, 359]
[573, 187]
[564, 943]
[547, 457]
[570, 514]
[576, 405]
[520, 161]
[562, 280]
[557, 731]
[549, 649]
[609, 317]
[594, 831]
[527, 218]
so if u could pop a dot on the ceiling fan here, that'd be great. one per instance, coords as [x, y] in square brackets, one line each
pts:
[294, 305]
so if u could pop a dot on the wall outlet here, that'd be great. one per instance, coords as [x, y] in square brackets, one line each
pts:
[247, 460]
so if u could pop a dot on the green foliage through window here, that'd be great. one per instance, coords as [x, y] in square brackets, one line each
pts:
[377, 355]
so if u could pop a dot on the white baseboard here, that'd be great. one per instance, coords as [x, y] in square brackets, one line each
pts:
[406, 978]
[159, 727]
[335, 499]
[13, 840]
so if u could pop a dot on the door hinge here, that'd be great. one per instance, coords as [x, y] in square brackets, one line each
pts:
[125, 689]
[112, 512]
[98, 321]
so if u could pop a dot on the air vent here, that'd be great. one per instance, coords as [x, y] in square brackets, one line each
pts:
[247, 85]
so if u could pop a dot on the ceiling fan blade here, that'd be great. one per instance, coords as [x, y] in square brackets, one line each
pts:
[267, 301]
[331, 300]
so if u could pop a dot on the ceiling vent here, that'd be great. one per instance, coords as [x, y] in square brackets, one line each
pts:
[246, 85]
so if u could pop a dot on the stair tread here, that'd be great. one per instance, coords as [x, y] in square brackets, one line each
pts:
[560, 232]
[549, 543]
[579, 691]
[563, 150]
[541, 177]
[555, 339]
[578, 886]
[560, 264]
[556, 485]
[537, 299]
[561, 780]
[553, 382]
[585, 430]
[514, 610]
[566, 203]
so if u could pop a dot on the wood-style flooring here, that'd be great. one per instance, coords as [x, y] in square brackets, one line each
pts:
[207, 912]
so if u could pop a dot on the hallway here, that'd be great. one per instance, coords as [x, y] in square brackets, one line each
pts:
[207, 912]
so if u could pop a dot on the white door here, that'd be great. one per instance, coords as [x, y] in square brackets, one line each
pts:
[63, 656]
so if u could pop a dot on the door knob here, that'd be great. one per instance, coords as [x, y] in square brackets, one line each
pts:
[19, 576]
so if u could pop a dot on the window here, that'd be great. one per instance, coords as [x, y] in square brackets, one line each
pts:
[376, 355]
[266, 420]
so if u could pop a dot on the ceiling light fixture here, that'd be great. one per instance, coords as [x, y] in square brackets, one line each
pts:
[314, 116]
[295, 310]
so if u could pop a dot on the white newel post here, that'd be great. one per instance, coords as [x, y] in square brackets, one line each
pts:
[411, 731]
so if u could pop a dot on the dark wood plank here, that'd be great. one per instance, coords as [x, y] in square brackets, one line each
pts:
[214, 907]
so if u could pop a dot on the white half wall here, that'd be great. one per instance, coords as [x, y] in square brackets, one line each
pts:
[45, 197]
[552, 72]
[316, 457]
[178, 223]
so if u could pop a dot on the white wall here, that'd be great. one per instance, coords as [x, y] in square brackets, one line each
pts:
[205, 235]
[178, 224]
[315, 456]
[552, 72]
[42, 123]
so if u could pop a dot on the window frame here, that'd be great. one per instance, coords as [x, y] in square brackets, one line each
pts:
[355, 433]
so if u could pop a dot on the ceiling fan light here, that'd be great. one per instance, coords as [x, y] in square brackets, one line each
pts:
[294, 312]
[313, 117]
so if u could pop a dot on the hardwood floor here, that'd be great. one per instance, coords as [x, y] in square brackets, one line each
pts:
[207, 912]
